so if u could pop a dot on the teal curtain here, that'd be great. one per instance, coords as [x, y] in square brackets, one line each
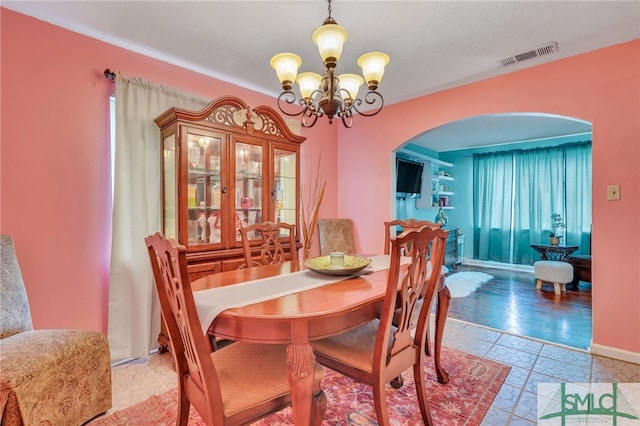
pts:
[516, 193]
[539, 193]
[578, 193]
[492, 205]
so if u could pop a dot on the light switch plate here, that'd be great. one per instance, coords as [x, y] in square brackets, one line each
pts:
[613, 192]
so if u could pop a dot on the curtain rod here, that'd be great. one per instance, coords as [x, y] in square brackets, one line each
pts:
[109, 74]
[539, 148]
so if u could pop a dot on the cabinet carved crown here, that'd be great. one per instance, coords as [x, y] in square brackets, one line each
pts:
[234, 113]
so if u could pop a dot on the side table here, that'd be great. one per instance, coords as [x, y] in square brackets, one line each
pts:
[558, 253]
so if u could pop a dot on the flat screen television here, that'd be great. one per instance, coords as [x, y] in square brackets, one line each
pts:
[408, 178]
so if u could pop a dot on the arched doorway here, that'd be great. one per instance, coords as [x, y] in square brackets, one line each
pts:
[455, 143]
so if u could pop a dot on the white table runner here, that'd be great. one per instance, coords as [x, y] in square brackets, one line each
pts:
[210, 302]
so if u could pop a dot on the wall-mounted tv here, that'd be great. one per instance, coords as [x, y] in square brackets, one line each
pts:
[408, 178]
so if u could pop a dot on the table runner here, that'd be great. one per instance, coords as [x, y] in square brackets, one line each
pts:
[210, 302]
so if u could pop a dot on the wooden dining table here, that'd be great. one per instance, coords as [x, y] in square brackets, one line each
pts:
[299, 318]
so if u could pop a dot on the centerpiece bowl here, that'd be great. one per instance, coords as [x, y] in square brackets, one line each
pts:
[352, 264]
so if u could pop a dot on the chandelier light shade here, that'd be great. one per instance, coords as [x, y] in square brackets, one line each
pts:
[351, 83]
[308, 82]
[286, 66]
[329, 95]
[372, 65]
[330, 38]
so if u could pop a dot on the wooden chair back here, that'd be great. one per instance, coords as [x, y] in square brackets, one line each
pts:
[269, 236]
[405, 225]
[254, 376]
[197, 378]
[379, 351]
[336, 235]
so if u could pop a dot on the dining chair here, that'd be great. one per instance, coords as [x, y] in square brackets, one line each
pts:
[378, 351]
[336, 235]
[269, 237]
[391, 228]
[235, 385]
[390, 231]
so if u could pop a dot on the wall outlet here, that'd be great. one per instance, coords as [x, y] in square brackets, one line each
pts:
[613, 192]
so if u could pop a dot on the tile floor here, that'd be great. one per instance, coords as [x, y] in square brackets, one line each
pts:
[532, 362]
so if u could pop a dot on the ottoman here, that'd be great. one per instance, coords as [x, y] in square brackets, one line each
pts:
[558, 273]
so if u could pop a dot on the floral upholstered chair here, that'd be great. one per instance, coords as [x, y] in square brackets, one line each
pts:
[336, 235]
[47, 377]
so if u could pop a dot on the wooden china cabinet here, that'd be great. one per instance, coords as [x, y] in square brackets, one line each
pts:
[225, 167]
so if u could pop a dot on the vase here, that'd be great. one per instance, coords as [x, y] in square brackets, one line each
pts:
[554, 241]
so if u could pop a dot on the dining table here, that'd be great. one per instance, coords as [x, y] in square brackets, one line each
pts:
[296, 314]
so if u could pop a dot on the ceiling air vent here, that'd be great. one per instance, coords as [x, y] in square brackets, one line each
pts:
[547, 49]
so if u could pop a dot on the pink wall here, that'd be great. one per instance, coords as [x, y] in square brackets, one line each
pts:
[55, 174]
[602, 87]
[54, 178]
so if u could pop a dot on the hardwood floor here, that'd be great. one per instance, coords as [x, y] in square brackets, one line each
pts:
[510, 302]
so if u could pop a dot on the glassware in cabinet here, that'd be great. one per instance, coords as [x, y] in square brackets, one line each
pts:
[203, 165]
[285, 196]
[249, 158]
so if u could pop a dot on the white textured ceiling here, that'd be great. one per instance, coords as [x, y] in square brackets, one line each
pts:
[433, 45]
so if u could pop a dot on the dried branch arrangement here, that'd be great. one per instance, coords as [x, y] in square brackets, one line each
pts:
[309, 213]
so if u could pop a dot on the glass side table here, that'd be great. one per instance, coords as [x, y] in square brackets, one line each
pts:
[558, 253]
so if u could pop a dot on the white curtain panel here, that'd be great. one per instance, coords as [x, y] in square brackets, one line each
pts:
[134, 311]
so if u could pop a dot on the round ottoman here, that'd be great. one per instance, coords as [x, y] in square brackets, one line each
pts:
[558, 273]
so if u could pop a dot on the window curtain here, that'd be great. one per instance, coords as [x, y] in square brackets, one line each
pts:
[492, 206]
[578, 190]
[134, 312]
[516, 192]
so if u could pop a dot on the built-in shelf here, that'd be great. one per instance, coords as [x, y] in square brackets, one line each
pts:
[432, 197]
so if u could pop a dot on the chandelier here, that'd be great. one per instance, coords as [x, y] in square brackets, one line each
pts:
[331, 95]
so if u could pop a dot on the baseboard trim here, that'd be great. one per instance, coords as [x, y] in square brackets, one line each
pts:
[498, 265]
[615, 353]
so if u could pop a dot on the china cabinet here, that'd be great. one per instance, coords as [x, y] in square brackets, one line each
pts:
[223, 168]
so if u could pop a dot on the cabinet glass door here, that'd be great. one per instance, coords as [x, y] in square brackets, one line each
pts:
[204, 213]
[248, 185]
[169, 187]
[285, 196]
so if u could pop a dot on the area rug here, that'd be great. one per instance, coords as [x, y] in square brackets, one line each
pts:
[462, 284]
[473, 384]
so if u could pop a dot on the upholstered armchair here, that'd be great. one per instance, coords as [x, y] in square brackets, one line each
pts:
[47, 377]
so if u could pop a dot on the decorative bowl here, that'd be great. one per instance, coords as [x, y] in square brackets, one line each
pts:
[352, 264]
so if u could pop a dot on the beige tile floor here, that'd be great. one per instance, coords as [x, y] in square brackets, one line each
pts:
[532, 362]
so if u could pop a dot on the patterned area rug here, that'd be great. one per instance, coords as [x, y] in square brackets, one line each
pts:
[462, 284]
[473, 384]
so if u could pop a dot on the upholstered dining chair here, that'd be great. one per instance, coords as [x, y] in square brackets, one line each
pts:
[378, 351]
[336, 235]
[237, 384]
[268, 236]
